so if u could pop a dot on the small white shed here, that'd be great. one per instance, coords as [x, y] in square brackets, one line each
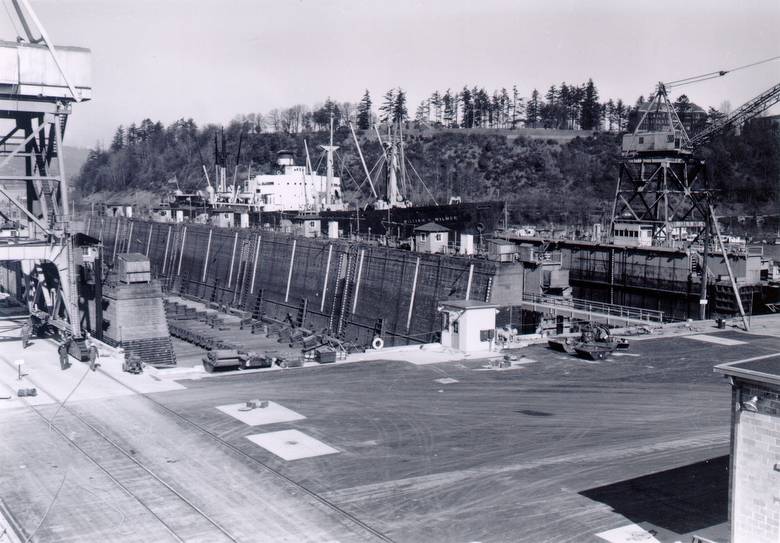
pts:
[431, 238]
[468, 325]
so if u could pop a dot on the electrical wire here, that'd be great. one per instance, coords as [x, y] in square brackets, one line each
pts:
[716, 74]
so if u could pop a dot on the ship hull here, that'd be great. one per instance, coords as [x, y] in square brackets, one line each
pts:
[400, 222]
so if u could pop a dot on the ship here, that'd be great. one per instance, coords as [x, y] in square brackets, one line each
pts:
[293, 193]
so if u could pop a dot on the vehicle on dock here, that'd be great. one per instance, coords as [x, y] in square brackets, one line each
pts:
[595, 343]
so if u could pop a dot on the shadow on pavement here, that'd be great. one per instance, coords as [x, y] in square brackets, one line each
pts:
[681, 500]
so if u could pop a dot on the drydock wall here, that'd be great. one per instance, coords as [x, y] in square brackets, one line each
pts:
[351, 288]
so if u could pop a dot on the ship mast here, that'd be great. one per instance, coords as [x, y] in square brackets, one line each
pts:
[393, 195]
[329, 149]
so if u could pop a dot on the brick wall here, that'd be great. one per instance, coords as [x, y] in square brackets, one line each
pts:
[755, 513]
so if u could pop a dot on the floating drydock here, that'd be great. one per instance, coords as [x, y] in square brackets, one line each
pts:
[359, 291]
[663, 279]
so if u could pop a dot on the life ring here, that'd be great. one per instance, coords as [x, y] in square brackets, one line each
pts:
[378, 343]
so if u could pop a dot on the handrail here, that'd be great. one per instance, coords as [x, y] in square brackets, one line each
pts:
[621, 311]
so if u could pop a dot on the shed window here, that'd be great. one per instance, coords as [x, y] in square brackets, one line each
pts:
[486, 335]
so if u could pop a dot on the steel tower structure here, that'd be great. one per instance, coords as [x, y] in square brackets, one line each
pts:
[661, 183]
[38, 85]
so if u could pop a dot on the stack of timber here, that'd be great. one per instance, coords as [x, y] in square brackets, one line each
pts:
[256, 344]
[136, 321]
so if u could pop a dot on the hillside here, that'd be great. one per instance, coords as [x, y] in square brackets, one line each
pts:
[567, 177]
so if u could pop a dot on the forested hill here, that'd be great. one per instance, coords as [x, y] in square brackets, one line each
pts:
[546, 175]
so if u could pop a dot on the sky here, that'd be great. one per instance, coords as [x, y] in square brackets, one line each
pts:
[214, 59]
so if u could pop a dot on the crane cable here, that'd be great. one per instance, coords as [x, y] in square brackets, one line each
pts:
[713, 75]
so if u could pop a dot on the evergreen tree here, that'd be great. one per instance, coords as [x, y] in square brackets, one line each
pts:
[505, 105]
[533, 110]
[448, 103]
[609, 111]
[387, 109]
[467, 119]
[422, 114]
[517, 104]
[364, 112]
[620, 114]
[590, 109]
[132, 135]
[563, 113]
[481, 106]
[548, 111]
[119, 139]
[435, 107]
[400, 113]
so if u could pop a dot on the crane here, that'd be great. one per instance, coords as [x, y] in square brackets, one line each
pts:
[34, 108]
[739, 116]
[661, 195]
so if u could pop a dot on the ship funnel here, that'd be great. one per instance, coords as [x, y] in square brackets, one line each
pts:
[284, 158]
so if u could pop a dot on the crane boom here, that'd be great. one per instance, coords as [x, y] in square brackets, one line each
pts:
[745, 112]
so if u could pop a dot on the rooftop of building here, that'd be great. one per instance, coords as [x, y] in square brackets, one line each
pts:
[431, 227]
[762, 369]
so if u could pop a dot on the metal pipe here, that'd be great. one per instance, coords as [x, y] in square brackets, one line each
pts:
[327, 273]
[149, 239]
[254, 267]
[468, 284]
[414, 291]
[357, 281]
[289, 273]
[181, 253]
[206, 260]
[167, 246]
[130, 237]
[232, 260]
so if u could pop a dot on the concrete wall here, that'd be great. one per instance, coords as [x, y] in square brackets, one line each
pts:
[755, 503]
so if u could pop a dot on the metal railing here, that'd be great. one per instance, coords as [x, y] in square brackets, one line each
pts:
[600, 308]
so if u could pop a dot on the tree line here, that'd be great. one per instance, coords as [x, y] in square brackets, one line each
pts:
[563, 107]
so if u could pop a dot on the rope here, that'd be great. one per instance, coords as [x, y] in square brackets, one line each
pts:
[343, 168]
[423, 182]
[714, 75]
[69, 395]
[51, 504]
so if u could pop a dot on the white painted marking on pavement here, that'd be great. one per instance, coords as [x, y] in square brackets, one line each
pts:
[717, 340]
[291, 444]
[271, 414]
[631, 533]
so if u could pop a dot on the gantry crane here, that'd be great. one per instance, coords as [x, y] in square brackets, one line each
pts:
[38, 85]
[661, 186]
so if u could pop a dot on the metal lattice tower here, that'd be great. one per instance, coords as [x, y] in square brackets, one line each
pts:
[660, 184]
[39, 85]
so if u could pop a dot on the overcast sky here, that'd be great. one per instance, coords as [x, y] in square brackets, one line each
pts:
[213, 59]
